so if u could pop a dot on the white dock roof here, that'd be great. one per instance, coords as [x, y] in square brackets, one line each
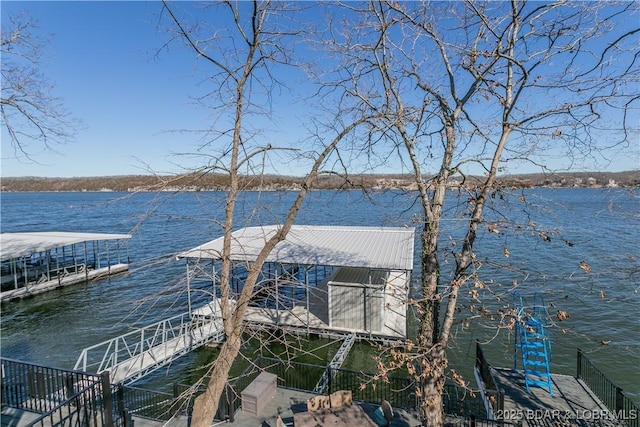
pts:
[388, 248]
[14, 245]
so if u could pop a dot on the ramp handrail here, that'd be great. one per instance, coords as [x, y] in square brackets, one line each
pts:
[107, 354]
[336, 363]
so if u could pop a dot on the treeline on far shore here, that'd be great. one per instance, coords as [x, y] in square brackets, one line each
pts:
[133, 183]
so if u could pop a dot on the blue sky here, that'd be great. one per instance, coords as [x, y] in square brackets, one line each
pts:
[103, 63]
[103, 67]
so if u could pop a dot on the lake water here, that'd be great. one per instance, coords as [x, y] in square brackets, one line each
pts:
[598, 226]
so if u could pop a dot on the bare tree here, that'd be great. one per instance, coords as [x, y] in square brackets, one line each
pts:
[243, 61]
[468, 88]
[30, 110]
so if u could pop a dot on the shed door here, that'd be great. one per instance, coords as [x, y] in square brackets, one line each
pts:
[348, 307]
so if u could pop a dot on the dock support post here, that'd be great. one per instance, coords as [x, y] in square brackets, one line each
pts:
[189, 292]
[306, 291]
[108, 258]
[86, 263]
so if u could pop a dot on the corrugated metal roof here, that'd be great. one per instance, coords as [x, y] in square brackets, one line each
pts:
[372, 247]
[14, 245]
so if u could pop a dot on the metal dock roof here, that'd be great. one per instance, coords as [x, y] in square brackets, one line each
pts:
[372, 247]
[14, 245]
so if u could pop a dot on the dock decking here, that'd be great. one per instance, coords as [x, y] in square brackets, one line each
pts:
[572, 403]
[68, 279]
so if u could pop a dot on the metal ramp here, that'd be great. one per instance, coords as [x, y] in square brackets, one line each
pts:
[534, 343]
[133, 355]
[336, 363]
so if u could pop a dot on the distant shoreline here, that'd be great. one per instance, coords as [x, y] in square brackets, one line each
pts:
[146, 183]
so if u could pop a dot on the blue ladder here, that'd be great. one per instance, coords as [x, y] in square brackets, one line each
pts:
[534, 342]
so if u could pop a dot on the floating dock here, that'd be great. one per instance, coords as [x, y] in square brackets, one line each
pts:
[38, 262]
[587, 399]
[340, 282]
[320, 279]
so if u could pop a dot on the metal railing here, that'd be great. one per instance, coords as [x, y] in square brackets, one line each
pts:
[492, 394]
[174, 336]
[368, 387]
[230, 401]
[335, 363]
[478, 422]
[152, 404]
[79, 399]
[611, 395]
[62, 397]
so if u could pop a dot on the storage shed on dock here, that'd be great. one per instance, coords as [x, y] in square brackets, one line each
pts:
[40, 261]
[322, 279]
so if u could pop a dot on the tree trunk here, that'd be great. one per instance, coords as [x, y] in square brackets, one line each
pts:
[206, 405]
[430, 388]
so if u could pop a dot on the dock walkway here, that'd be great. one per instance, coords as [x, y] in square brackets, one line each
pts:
[165, 352]
[131, 356]
[573, 403]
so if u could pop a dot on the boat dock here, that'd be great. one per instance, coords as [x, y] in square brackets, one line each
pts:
[344, 283]
[33, 263]
[573, 402]
[587, 399]
[319, 279]
[314, 317]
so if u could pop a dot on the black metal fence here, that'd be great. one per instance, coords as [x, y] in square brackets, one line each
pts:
[475, 422]
[156, 405]
[368, 387]
[71, 398]
[611, 395]
[63, 397]
[494, 395]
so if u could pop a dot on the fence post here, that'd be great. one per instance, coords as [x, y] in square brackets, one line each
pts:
[31, 381]
[120, 398]
[107, 399]
[68, 384]
[329, 375]
[619, 401]
[579, 364]
[230, 407]
[127, 418]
